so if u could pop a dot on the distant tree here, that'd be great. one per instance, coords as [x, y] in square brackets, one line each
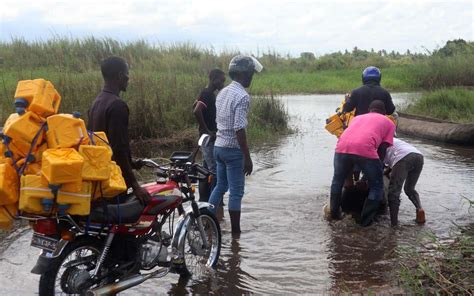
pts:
[457, 46]
[307, 56]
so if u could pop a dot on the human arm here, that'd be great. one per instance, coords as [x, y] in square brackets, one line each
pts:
[240, 123]
[350, 102]
[389, 106]
[242, 139]
[382, 150]
[198, 109]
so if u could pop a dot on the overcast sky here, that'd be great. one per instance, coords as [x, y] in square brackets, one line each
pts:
[248, 25]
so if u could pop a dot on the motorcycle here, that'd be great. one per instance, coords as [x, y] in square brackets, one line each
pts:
[119, 246]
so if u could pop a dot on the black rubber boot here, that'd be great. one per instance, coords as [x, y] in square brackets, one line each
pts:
[235, 221]
[369, 211]
[335, 205]
[394, 214]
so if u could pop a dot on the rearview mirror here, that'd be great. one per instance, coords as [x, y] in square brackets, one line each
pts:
[204, 140]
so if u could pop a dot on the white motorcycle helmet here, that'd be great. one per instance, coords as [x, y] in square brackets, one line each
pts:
[244, 64]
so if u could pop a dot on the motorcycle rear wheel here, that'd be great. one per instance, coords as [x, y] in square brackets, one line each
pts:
[197, 258]
[54, 281]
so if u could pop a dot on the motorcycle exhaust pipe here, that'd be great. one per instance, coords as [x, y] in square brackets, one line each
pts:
[132, 281]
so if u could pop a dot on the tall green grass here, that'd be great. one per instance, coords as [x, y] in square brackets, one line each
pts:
[454, 104]
[164, 81]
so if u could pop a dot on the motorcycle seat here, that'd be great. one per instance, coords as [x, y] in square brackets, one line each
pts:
[120, 213]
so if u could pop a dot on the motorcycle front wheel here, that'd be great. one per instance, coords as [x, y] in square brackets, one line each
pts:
[197, 257]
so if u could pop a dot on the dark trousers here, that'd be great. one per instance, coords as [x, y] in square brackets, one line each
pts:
[407, 170]
[372, 169]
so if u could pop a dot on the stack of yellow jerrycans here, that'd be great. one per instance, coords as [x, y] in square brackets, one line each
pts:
[338, 122]
[49, 163]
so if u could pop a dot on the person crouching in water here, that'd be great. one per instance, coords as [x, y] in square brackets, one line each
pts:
[405, 164]
[363, 143]
[231, 150]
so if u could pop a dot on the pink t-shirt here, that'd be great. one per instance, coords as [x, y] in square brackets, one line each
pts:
[365, 134]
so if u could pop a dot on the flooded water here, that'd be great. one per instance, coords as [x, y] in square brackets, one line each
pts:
[286, 246]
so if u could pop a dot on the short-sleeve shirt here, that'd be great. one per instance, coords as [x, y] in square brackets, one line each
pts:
[365, 134]
[110, 114]
[232, 105]
[208, 99]
[398, 151]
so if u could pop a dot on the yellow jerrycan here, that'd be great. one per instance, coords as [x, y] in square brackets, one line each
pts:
[38, 96]
[7, 215]
[8, 184]
[66, 131]
[96, 162]
[63, 165]
[75, 203]
[100, 139]
[20, 131]
[35, 195]
[112, 186]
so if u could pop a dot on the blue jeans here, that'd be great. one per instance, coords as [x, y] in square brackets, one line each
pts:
[372, 169]
[230, 176]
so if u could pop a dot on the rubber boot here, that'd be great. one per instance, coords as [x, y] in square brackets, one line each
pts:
[394, 214]
[420, 216]
[235, 221]
[369, 211]
[220, 213]
[335, 206]
[420, 213]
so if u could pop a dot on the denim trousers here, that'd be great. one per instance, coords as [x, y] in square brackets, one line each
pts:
[372, 169]
[230, 176]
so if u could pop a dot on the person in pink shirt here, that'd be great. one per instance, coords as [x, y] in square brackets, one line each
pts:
[364, 144]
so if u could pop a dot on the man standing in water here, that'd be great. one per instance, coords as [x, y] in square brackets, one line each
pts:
[109, 113]
[205, 113]
[231, 150]
[360, 98]
[364, 144]
[406, 164]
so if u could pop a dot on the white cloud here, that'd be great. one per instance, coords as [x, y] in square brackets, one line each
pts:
[293, 26]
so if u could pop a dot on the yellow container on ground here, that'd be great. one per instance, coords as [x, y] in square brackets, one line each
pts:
[96, 162]
[40, 95]
[65, 131]
[100, 139]
[8, 184]
[7, 214]
[76, 203]
[63, 165]
[114, 185]
[22, 130]
[35, 195]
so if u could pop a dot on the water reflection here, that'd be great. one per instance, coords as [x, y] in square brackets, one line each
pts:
[286, 246]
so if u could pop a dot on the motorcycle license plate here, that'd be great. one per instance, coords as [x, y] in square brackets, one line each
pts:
[44, 242]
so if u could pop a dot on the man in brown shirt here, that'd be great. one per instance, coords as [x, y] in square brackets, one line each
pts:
[109, 113]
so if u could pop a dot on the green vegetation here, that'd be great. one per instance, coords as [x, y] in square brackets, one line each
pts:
[439, 267]
[164, 82]
[454, 104]
[166, 79]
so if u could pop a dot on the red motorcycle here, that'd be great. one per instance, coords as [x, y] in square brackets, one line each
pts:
[122, 245]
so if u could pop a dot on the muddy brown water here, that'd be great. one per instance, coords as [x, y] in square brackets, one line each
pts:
[286, 246]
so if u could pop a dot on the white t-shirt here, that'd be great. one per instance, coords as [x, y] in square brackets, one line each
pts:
[398, 151]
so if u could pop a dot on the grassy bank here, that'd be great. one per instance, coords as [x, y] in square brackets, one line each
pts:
[439, 267]
[453, 104]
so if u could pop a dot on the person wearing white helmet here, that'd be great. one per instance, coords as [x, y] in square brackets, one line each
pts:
[230, 149]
